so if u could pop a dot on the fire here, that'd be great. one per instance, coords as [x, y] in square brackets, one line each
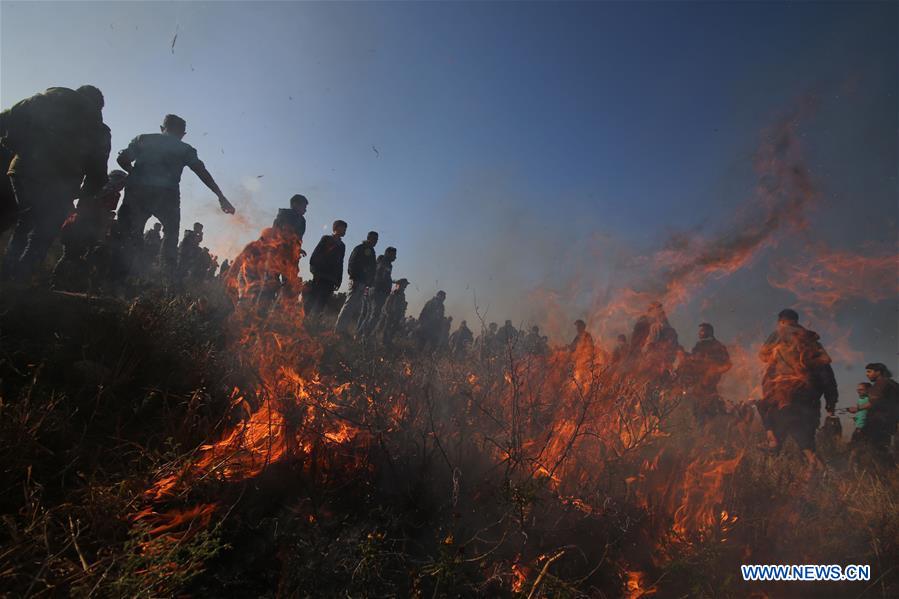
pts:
[520, 574]
[268, 332]
[197, 517]
[825, 278]
[635, 585]
[703, 495]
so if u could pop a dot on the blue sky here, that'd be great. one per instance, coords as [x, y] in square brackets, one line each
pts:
[510, 137]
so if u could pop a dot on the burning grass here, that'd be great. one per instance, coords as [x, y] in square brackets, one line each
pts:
[172, 446]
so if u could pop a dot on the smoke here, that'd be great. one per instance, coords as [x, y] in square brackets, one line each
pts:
[784, 195]
[225, 235]
[824, 279]
[507, 247]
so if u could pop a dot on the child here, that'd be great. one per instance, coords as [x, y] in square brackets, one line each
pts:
[860, 411]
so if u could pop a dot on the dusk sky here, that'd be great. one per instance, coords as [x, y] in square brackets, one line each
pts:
[511, 150]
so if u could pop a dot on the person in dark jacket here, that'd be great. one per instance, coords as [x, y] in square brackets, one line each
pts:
[149, 252]
[293, 219]
[326, 265]
[361, 269]
[394, 313]
[155, 162]
[486, 344]
[60, 144]
[654, 346]
[508, 335]
[583, 340]
[883, 407]
[378, 293]
[430, 322]
[461, 341]
[797, 373]
[153, 240]
[535, 343]
[189, 251]
[702, 371]
[281, 268]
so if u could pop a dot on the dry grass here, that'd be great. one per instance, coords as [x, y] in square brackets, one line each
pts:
[463, 479]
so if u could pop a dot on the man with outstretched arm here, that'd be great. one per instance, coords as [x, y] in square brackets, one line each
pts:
[155, 162]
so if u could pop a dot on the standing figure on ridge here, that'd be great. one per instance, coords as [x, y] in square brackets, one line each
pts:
[702, 371]
[189, 251]
[797, 374]
[394, 313]
[326, 265]
[155, 162]
[654, 347]
[461, 340]
[60, 145]
[378, 293]
[430, 323]
[152, 246]
[361, 269]
[883, 410]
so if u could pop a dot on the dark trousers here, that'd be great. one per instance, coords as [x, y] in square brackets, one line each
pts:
[793, 420]
[139, 204]
[317, 294]
[878, 433]
[43, 206]
[371, 313]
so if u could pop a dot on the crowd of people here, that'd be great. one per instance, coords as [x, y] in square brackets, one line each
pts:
[56, 147]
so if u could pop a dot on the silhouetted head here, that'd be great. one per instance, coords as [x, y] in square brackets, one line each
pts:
[876, 370]
[441, 295]
[174, 125]
[788, 317]
[622, 339]
[493, 326]
[299, 203]
[372, 238]
[535, 329]
[198, 227]
[339, 228]
[402, 283]
[706, 331]
[93, 94]
[580, 325]
[157, 226]
[390, 253]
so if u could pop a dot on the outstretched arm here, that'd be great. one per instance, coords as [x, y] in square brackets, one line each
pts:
[831, 393]
[200, 169]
